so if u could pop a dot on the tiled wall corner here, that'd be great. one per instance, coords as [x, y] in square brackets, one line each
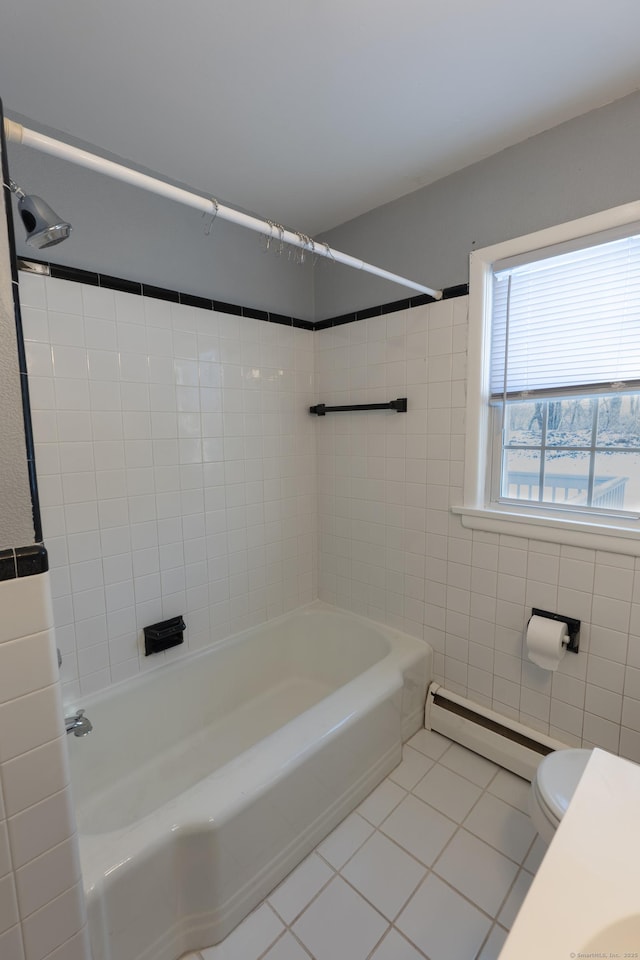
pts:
[42, 914]
[176, 469]
[390, 548]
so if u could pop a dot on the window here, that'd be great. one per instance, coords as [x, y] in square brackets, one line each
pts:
[554, 386]
[578, 453]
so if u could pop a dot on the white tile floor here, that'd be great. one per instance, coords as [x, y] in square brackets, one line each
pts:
[434, 863]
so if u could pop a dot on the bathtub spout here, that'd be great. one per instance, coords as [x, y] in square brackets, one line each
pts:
[78, 724]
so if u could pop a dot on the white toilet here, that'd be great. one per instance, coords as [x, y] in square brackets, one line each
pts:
[553, 787]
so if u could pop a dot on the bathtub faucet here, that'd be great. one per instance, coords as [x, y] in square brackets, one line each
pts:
[78, 724]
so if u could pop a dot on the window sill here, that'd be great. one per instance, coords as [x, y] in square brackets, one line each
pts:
[572, 533]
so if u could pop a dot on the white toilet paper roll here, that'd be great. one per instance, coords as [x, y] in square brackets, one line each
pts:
[545, 639]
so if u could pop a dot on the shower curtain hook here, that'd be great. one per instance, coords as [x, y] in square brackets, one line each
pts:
[268, 236]
[305, 243]
[216, 206]
[329, 254]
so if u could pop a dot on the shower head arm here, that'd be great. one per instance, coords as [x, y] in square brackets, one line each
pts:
[19, 192]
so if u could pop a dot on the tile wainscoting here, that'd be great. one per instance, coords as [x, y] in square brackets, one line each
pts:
[176, 469]
[42, 913]
[391, 549]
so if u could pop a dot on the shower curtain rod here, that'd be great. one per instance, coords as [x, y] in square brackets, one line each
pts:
[16, 133]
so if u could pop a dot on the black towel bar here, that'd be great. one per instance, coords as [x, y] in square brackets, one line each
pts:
[400, 406]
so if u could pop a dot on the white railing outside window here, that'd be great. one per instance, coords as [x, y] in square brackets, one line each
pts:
[578, 452]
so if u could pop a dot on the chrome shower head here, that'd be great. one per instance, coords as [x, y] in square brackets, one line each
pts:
[44, 227]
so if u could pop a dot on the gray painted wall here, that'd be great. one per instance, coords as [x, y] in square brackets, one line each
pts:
[16, 520]
[577, 168]
[582, 166]
[126, 232]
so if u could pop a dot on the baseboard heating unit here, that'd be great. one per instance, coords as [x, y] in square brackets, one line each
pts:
[505, 741]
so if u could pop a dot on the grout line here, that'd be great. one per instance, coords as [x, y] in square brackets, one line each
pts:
[376, 826]
[486, 939]
[405, 937]
[301, 944]
[359, 847]
[464, 896]
[508, 893]
[382, 937]
[309, 902]
[460, 826]
[431, 870]
[428, 870]
[273, 942]
[377, 909]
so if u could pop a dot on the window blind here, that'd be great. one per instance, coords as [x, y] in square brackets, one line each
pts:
[568, 323]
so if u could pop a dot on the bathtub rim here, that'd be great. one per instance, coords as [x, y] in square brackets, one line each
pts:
[254, 767]
[183, 659]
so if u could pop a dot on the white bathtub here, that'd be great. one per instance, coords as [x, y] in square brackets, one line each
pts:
[205, 782]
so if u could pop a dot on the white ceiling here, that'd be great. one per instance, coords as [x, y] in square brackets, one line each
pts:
[310, 113]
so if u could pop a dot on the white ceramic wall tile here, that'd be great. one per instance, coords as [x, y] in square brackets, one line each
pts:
[76, 948]
[5, 852]
[32, 777]
[600, 732]
[142, 427]
[27, 665]
[26, 607]
[8, 903]
[47, 877]
[52, 925]
[506, 576]
[40, 828]
[30, 721]
[124, 389]
[38, 844]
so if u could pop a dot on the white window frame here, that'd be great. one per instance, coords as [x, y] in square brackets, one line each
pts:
[617, 535]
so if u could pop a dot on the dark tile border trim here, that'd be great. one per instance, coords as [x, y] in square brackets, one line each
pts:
[22, 360]
[31, 560]
[450, 293]
[8, 568]
[160, 293]
[461, 290]
[70, 273]
[234, 309]
[61, 272]
[117, 283]
[23, 561]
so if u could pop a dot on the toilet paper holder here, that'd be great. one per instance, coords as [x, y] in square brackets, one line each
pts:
[573, 627]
